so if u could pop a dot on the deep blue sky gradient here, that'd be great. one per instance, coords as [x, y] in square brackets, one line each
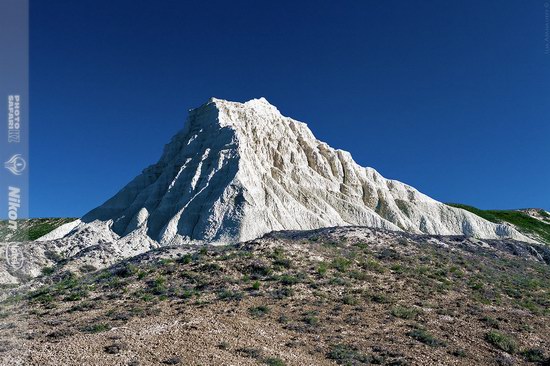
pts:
[451, 97]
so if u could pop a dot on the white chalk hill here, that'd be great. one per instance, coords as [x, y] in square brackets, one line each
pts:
[239, 170]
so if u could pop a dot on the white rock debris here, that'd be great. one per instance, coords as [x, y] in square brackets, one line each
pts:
[240, 170]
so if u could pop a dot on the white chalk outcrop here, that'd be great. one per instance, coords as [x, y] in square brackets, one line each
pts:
[60, 231]
[240, 170]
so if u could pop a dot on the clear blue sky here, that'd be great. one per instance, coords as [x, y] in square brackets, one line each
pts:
[451, 97]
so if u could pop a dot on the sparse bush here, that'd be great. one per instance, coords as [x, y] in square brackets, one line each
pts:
[423, 336]
[350, 300]
[282, 262]
[322, 269]
[42, 296]
[359, 275]
[501, 341]
[59, 334]
[229, 295]
[258, 311]
[280, 259]
[77, 295]
[53, 256]
[46, 271]
[186, 294]
[534, 355]
[116, 283]
[283, 292]
[475, 284]
[250, 352]
[274, 361]
[339, 281]
[87, 268]
[402, 241]
[490, 321]
[388, 254]
[288, 280]
[379, 297]
[211, 268]
[258, 269]
[119, 315]
[125, 271]
[374, 266]
[283, 319]
[459, 352]
[345, 354]
[96, 328]
[397, 268]
[67, 280]
[456, 271]
[158, 286]
[311, 319]
[47, 295]
[186, 259]
[404, 312]
[341, 264]
[330, 244]
[104, 275]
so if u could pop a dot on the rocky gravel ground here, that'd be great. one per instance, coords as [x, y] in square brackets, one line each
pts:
[348, 296]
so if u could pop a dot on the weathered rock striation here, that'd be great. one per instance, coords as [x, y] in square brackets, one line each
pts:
[240, 170]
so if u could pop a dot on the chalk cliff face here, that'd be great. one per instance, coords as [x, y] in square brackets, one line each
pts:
[240, 170]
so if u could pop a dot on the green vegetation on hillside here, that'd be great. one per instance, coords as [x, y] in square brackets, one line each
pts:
[523, 222]
[31, 229]
[305, 290]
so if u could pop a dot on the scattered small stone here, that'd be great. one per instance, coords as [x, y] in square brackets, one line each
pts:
[172, 361]
[115, 348]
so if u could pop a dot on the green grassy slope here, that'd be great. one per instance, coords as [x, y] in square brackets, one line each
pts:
[526, 224]
[31, 229]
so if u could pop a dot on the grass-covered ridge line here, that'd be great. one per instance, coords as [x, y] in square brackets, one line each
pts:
[523, 222]
[31, 229]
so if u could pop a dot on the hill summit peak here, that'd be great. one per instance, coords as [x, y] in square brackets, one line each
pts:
[240, 170]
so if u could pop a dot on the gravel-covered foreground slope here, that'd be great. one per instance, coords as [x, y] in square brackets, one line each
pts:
[240, 170]
[349, 296]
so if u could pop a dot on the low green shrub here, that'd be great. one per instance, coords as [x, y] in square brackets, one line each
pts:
[501, 341]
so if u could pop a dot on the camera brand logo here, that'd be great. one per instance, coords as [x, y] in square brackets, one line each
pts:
[16, 164]
[14, 256]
